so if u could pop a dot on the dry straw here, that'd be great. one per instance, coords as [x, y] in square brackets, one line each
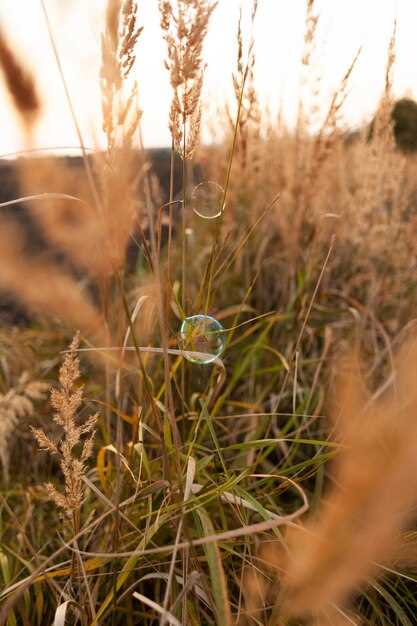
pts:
[43, 287]
[184, 24]
[371, 500]
[94, 235]
[246, 97]
[16, 404]
[20, 83]
[66, 401]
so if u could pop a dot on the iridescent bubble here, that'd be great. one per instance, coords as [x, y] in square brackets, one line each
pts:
[207, 200]
[202, 334]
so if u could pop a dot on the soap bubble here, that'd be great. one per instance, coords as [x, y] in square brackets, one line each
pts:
[207, 200]
[204, 334]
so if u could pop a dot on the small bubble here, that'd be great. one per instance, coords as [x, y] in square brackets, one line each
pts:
[204, 334]
[207, 200]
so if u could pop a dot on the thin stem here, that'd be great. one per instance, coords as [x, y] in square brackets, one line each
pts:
[171, 200]
[183, 222]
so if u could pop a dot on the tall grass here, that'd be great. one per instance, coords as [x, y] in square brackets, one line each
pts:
[272, 483]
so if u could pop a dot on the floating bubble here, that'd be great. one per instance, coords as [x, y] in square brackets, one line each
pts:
[207, 200]
[203, 334]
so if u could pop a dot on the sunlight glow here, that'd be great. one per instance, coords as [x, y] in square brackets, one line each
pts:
[345, 25]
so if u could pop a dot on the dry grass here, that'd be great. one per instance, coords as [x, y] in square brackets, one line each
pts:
[372, 498]
[20, 83]
[185, 471]
[185, 25]
[66, 402]
[17, 403]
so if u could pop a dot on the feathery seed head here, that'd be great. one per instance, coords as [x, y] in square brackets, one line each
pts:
[66, 401]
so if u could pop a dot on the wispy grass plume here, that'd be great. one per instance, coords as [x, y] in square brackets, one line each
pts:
[184, 25]
[66, 401]
[372, 498]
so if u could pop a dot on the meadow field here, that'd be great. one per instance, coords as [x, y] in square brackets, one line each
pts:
[208, 368]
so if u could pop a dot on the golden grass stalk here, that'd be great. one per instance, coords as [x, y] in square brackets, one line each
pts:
[45, 288]
[184, 25]
[16, 404]
[308, 78]
[20, 84]
[76, 444]
[94, 236]
[121, 168]
[326, 139]
[383, 165]
[246, 97]
[74, 227]
[382, 122]
[372, 498]
[311, 23]
[66, 401]
[120, 114]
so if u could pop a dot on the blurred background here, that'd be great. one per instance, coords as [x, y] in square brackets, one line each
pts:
[345, 25]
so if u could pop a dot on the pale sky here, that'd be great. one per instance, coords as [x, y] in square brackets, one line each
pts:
[345, 25]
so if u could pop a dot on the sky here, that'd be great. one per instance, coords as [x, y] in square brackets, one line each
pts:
[345, 25]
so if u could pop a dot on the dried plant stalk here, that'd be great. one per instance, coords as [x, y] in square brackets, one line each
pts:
[121, 116]
[20, 84]
[372, 499]
[95, 237]
[246, 96]
[66, 401]
[44, 287]
[16, 404]
[184, 27]
[120, 169]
